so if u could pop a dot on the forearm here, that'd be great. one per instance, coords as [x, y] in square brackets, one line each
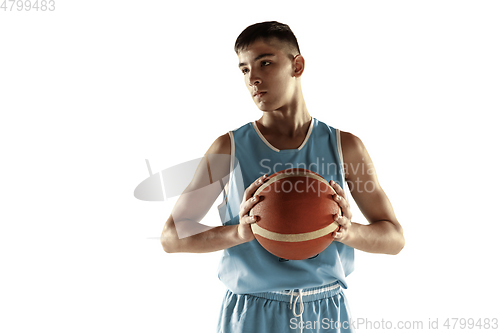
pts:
[210, 240]
[377, 237]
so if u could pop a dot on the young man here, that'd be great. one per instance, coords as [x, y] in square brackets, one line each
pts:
[266, 293]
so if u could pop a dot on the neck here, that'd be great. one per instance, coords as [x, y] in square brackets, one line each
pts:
[291, 120]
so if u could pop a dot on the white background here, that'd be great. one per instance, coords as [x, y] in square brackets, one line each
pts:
[92, 89]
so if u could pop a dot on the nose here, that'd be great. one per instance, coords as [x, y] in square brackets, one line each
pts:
[253, 78]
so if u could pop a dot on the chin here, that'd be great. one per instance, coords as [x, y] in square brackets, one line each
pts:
[266, 107]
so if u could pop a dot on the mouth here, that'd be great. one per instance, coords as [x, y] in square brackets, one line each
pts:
[259, 94]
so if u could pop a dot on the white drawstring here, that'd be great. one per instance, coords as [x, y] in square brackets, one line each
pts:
[299, 296]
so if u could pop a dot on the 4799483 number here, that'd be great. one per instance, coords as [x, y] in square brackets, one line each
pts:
[28, 5]
[471, 323]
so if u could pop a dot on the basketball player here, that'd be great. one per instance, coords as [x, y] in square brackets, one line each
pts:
[267, 294]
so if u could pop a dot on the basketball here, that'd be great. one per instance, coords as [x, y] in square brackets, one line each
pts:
[296, 210]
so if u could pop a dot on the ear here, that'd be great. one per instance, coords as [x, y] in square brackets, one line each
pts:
[298, 65]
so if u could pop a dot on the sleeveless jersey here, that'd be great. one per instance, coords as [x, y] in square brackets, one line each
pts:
[248, 267]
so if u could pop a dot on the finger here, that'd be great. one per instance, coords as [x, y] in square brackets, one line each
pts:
[341, 201]
[338, 189]
[341, 221]
[250, 190]
[254, 186]
[343, 204]
[247, 206]
[332, 184]
[249, 219]
[337, 216]
[339, 193]
[338, 233]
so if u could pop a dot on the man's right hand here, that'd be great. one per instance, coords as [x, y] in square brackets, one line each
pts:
[245, 232]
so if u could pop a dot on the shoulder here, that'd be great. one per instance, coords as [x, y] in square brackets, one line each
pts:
[355, 155]
[350, 143]
[353, 149]
[221, 145]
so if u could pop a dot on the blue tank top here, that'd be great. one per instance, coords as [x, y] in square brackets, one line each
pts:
[248, 267]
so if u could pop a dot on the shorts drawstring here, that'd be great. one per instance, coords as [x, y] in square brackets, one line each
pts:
[299, 296]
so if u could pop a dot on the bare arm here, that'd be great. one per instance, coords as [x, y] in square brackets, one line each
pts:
[211, 240]
[383, 234]
[183, 232]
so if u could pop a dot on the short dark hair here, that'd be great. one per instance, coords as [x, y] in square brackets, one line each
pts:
[266, 30]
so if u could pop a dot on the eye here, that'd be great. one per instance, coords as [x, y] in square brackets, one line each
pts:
[265, 63]
[244, 71]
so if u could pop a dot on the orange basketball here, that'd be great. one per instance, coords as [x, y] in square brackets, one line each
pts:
[296, 210]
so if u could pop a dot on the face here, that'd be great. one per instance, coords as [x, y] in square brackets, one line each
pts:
[271, 74]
